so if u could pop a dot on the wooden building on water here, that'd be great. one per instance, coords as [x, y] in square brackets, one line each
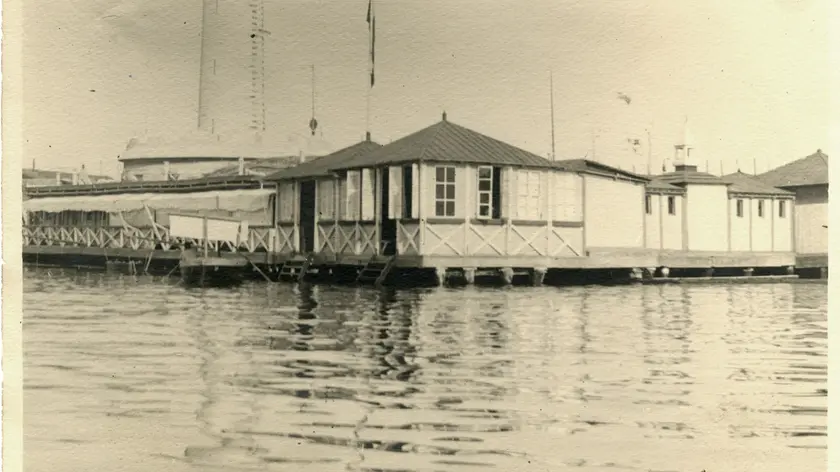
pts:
[454, 200]
[807, 178]
[445, 200]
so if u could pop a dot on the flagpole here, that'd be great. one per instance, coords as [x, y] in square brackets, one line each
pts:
[371, 21]
[551, 86]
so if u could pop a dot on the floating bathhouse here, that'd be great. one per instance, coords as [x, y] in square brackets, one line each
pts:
[450, 197]
[807, 178]
[445, 198]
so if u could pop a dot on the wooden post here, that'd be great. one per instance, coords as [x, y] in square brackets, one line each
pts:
[661, 198]
[420, 192]
[751, 201]
[584, 250]
[336, 215]
[729, 224]
[377, 209]
[772, 225]
[470, 196]
[684, 220]
[791, 215]
[440, 275]
[469, 275]
[507, 275]
[317, 217]
[204, 234]
[549, 212]
[538, 276]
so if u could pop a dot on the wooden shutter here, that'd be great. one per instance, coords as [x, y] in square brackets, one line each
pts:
[395, 192]
[416, 191]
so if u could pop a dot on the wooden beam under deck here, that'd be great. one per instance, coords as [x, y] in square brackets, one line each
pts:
[597, 259]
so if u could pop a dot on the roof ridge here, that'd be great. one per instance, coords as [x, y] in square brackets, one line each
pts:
[441, 124]
[498, 141]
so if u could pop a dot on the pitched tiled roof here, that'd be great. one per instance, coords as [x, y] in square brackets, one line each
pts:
[323, 165]
[811, 170]
[656, 185]
[596, 168]
[682, 177]
[447, 142]
[744, 183]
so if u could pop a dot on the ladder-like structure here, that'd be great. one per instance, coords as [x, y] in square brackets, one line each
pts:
[297, 267]
[376, 270]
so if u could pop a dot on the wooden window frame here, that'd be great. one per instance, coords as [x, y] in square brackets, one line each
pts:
[488, 206]
[672, 205]
[739, 207]
[760, 209]
[782, 209]
[648, 205]
[445, 203]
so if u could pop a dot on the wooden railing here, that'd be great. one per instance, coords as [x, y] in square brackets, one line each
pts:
[259, 238]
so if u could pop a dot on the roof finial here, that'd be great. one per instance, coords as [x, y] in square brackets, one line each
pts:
[443, 116]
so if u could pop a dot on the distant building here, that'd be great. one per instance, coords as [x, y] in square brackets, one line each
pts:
[696, 211]
[808, 179]
[201, 154]
[51, 178]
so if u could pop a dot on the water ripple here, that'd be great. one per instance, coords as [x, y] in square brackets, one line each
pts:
[281, 377]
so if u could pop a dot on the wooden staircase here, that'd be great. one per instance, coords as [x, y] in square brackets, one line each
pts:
[297, 267]
[376, 270]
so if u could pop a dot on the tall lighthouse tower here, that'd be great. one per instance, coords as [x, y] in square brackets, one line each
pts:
[231, 105]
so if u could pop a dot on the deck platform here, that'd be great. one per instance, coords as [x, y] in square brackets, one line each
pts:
[600, 259]
[811, 261]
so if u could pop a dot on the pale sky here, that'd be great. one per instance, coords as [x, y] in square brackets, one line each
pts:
[751, 75]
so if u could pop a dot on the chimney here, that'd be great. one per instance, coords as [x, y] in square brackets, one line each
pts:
[367, 136]
[443, 116]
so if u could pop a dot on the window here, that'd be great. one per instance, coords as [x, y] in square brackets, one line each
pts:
[353, 195]
[489, 192]
[648, 205]
[408, 191]
[781, 209]
[761, 208]
[326, 199]
[444, 191]
[368, 190]
[566, 193]
[739, 208]
[672, 205]
[529, 202]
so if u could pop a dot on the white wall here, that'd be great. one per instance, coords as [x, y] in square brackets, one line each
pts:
[810, 214]
[783, 227]
[707, 207]
[739, 226]
[762, 226]
[614, 213]
[662, 229]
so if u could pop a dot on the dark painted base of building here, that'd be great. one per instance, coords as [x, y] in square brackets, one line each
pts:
[405, 277]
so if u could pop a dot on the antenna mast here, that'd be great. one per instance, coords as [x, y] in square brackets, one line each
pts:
[313, 123]
[551, 86]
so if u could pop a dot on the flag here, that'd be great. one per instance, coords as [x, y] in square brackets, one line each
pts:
[371, 21]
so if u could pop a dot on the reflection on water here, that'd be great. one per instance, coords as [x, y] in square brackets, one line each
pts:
[139, 372]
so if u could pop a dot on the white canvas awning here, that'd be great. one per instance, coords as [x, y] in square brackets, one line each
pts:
[228, 200]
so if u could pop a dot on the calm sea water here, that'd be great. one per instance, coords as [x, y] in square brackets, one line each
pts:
[138, 374]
